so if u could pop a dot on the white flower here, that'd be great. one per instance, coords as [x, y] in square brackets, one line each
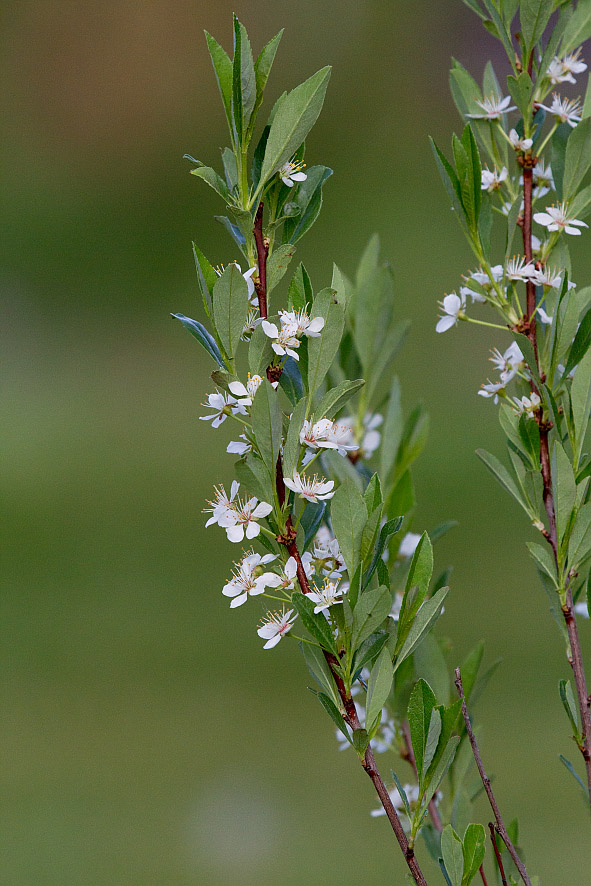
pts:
[370, 439]
[330, 593]
[453, 310]
[492, 181]
[518, 269]
[409, 544]
[284, 341]
[581, 609]
[396, 606]
[543, 316]
[506, 207]
[565, 110]
[412, 795]
[286, 580]
[243, 520]
[275, 626]
[555, 218]
[304, 324]
[245, 582]
[223, 405]
[519, 143]
[562, 70]
[328, 554]
[325, 434]
[246, 393]
[222, 507]
[291, 172]
[482, 279]
[494, 107]
[252, 321]
[235, 447]
[543, 180]
[310, 488]
[508, 363]
[492, 389]
[527, 405]
[548, 277]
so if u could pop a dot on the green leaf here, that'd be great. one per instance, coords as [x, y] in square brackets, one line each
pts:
[334, 713]
[244, 87]
[260, 352]
[316, 625]
[580, 394]
[564, 488]
[579, 543]
[386, 532]
[393, 340]
[421, 703]
[503, 476]
[323, 349]
[473, 5]
[452, 185]
[421, 567]
[308, 201]
[534, 18]
[203, 337]
[453, 856]
[278, 264]
[432, 739]
[291, 380]
[392, 430]
[222, 66]
[520, 89]
[423, 622]
[348, 515]
[334, 400]
[293, 120]
[292, 446]
[265, 415]
[206, 277]
[578, 158]
[371, 610]
[512, 226]
[544, 560]
[214, 181]
[474, 851]
[443, 764]
[579, 27]
[580, 345]
[300, 290]
[255, 477]
[575, 775]
[378, 687]
[414, 438]
[360, 741]
[262, 69]
[316, 662]
[311, 519]
[230, 307]
[570, 706]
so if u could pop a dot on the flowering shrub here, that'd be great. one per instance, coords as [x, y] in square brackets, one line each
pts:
[324, 484]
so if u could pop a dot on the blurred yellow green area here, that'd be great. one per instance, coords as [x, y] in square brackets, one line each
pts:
[147, 737]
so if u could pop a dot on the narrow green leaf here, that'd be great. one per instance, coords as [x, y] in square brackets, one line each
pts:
[575, 775]
[244, 87]
[544, 560]
[203, 337]
[453, 856]
[323, 349]
[421, 704]
[265, 415]
[387, 531]
[580, 394]
[300, 290]
[535, 15]
[334, 713]
[580, 345]
[570, 706]
[214, 181]
[503, 476]
[432, 739]
[424, 621]
[255, 477]
[378, 687]
[371, 610]
[579, 27]
[349, 515]
[392, 430]
[308, 201]
[335, 399]
[315, 624]
[578, 158]
[230, 307]
[293, 120]
[278, 264]
[579, 543]
[222, 66]
[564, 488]
[316, 662]
[474, 852]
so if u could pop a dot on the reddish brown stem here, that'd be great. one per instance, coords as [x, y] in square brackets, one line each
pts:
[262, 253]
[500, 825]
[493, 838]
[289, 540]
[574, 655]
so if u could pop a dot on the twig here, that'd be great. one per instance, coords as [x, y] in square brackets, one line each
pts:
[262, 253]
[497, 853]
[575, 656]
[500, 826]
[433, 810]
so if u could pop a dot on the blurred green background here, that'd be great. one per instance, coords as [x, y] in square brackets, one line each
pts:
[147, 737]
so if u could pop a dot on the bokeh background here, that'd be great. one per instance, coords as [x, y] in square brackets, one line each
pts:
[147, 737]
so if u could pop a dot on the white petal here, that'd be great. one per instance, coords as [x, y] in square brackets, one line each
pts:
[445, 323]
[235, 533]
[270, 329]
[238, 388]
[238, 601]
[262, 509]
[252, 529]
